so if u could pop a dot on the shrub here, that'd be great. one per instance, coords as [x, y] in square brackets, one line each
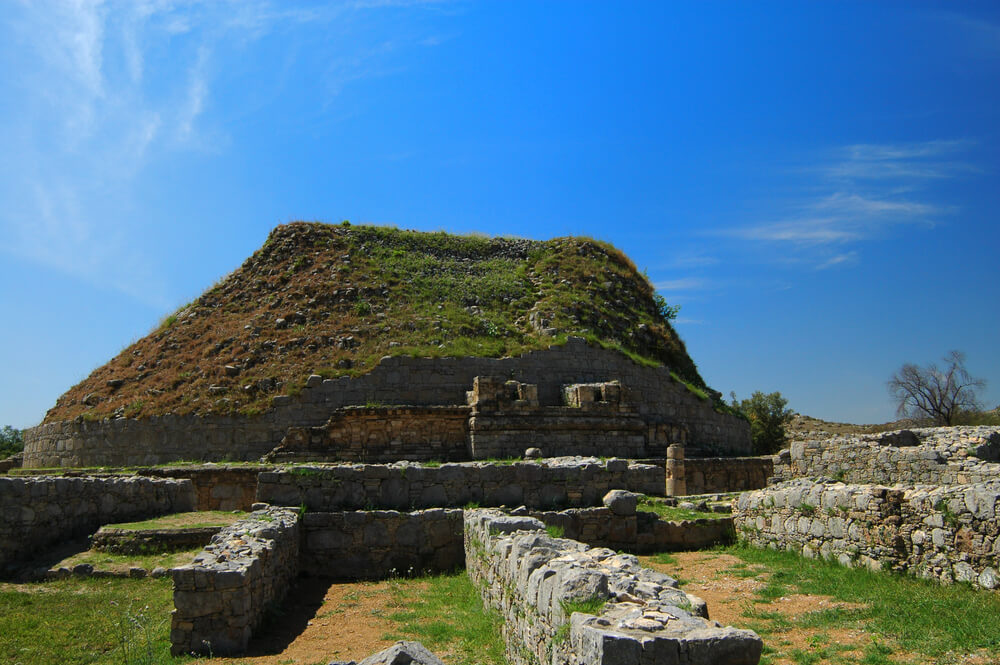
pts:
[11, 441]
[768, 416]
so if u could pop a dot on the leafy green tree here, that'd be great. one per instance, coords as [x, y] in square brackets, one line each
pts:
[11, 441]
[768, 416]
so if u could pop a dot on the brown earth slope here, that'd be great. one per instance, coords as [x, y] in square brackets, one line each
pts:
[333, 300]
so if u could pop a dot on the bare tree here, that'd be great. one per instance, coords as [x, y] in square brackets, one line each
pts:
[941, 395]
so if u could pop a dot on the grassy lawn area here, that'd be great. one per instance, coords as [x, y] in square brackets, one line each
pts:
[814, 612]
[652, 504]
[77, 621]
[118, 562]
[193, 520]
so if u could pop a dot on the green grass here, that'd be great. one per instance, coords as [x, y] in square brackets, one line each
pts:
[108, 560]
[651, 504]
[82, 621]
[193, 520]
[445, 612]
[905, 613]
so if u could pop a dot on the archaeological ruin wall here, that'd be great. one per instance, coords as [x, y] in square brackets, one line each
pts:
[376, 544]
[947, 533]
[922, 456]
[564, 602]
[38, 512]
[545, 484]
[620, 526]
[666, 408]
[222, 596]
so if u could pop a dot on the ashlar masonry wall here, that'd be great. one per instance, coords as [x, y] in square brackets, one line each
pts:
[947, 533]
[635, 615]
[548, 483]
[37, 512]
[932, 456]
[400, 380]
[223, 595]
[375, 544]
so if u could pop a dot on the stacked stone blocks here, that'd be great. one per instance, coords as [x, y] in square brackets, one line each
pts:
[947, 533]
[549, 483]
[659, 400]
[628, 614]
[37, 512]
[223, 595]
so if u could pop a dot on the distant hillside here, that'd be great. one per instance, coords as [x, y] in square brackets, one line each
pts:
[333, 300]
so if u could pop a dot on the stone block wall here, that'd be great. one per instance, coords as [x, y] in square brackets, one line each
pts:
[377, 544]
[639, 532]
[948, 533]
[37, 512]
[549, 483]
[216, 487]
[222, 596]
[711, 475]
[635, 616]
[932, 456]
[398, 380]
[380, 435]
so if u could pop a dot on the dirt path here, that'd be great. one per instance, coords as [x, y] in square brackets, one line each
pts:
[323, 621]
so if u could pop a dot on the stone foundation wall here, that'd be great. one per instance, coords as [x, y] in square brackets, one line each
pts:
[639, 532]
[37, 512]
[944, 533]
[222, 596]
[399, 380]
[931, 456]
[533, 579]
[216, 487]
[711, 475]
[549, 483]
[381, 543]
[130, 541]
[381, 434]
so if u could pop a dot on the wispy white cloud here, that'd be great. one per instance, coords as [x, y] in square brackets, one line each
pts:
[683, 284]
[862, 191]
[838, 260]
[105, 89]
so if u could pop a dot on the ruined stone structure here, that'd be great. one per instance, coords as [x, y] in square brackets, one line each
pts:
[633, 410]
[948, 533]
[223, 595]
[633, 615]
[37, 512]
[930, 456]
[547, 484]
[920, 501]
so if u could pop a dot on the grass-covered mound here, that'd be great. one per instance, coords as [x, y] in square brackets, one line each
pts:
[333, 300]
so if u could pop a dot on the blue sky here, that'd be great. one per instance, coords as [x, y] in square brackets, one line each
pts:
[816, 184]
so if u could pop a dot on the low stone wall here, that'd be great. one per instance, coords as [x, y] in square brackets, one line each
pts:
[132, 541]
[659, 400]
[217, 487]
[710, 475]
[221, 597]
[549, 483]
[380, 434]
[533, 580]
[944, 533]
[637, 533]
[931, 456]
[37, 512]
[381, 543]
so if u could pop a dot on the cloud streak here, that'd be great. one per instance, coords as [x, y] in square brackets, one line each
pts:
[106, 90]
[864, 190]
